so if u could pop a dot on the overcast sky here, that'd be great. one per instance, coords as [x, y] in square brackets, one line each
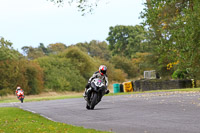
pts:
[30, 22]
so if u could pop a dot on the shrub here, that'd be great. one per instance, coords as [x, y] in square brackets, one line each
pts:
[126, 65]
[113, 73]
[179, 74]
[60, 74]
[27, 74]
[5, 92]
[80, 60]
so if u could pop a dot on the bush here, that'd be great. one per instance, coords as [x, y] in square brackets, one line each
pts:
[34, 75]
[60, 74]
[113, 73]
[5, 92]
[80, 61]
[179, 74]
[126, 65]
[27, 74]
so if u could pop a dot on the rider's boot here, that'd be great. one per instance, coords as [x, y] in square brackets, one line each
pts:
[85, 93]
[107, 91]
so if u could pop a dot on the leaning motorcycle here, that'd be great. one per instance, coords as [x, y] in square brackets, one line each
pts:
[94, 93]
[20, 95]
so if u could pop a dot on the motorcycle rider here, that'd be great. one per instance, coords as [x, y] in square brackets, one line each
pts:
[101, 74]
[18, 89]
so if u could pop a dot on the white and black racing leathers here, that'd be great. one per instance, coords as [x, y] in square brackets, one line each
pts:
[98, 75]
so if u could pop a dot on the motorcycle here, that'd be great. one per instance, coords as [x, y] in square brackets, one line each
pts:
[95, 93]
[20, 95]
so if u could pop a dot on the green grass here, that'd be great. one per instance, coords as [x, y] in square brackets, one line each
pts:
[15, 120]
[171, 90]
[8, 100]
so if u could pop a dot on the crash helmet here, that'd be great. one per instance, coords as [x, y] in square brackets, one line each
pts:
[102, 69]
[18, 88]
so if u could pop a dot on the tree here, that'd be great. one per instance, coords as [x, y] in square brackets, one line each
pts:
[56, 48]
[44, 49]
[99, 49]
[60, 74]
[84, 47]
[27, 74]
[33, 53]
[96, 49]
[175, 32]
[126, 65]
[7, 51]
[84, 6]
[80, 60]
[126, 40]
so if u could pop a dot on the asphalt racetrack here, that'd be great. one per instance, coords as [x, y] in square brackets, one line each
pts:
[164, 112]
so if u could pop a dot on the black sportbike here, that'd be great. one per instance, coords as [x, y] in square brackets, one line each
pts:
[94, 93]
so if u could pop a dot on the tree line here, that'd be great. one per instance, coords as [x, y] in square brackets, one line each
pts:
[172, 32]
[58, 67]
[167, 41]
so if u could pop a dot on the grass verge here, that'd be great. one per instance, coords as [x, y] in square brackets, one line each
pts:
[79, 95]
[152, 91]
[9, 100]
[15, 120]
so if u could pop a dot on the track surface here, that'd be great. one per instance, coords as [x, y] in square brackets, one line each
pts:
[165, 112]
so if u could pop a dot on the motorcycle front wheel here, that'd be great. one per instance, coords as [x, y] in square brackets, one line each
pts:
[87, 106]
[93, 100]
[21, 100]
